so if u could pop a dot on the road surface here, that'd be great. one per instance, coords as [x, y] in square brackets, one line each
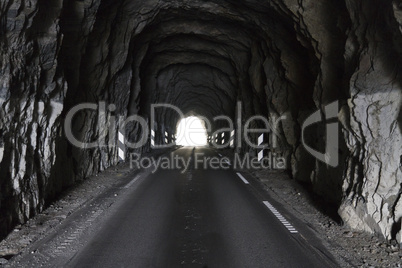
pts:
[197, 218]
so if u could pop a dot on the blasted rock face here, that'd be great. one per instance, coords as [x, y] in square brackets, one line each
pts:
[279, 58]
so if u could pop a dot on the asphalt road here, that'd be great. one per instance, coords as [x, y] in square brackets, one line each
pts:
[199, 218]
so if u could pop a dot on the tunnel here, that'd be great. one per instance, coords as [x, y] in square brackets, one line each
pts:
[221, 61]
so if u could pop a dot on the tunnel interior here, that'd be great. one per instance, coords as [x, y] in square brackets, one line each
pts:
[222, 58]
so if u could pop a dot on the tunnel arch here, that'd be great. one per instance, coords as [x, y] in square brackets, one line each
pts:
[278, 58]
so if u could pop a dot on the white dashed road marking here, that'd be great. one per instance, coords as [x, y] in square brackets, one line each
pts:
[227, 162]
[280, 217]
[242, 178]
[132, 182]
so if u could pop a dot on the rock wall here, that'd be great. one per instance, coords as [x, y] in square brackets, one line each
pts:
[372, 184]
[279, 58]
[32, 95]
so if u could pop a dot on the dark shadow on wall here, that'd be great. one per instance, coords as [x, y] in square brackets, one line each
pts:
[8, 217]
[399, 120]
[323, 183]
[327, 208]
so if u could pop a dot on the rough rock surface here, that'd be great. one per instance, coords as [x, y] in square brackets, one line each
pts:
[278, 57]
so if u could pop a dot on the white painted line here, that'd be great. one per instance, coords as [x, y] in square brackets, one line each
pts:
[132, 182]
[260, 155]
[260, 139]
[279, 216]
[242, 178]
[121, 154]
[121, 137]
[220, 155]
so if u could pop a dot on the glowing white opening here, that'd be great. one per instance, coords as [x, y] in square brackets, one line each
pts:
[191, 132]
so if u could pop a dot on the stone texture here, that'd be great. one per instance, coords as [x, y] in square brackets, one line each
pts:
[279, 58]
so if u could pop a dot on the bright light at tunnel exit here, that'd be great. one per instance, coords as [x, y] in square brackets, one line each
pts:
[191, 132]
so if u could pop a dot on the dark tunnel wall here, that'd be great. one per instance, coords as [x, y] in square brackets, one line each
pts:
[279, 58]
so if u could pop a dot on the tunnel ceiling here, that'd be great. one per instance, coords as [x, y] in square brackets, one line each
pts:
[279, 58]
[199, 56]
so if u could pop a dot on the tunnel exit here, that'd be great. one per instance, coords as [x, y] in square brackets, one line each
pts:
[191, 132]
